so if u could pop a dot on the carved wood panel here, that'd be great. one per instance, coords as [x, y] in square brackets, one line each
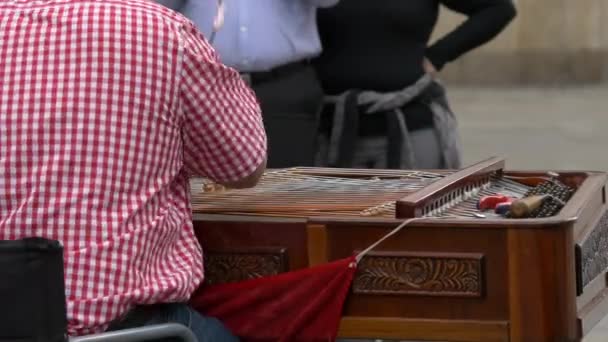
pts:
[233, 266]
[434, 274]
[592, 254]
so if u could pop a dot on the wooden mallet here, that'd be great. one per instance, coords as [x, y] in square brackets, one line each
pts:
[524, 207]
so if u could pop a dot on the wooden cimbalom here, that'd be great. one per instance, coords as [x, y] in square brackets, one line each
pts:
[461, 272]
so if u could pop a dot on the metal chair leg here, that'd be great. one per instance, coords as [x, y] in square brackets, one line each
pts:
[147, 333]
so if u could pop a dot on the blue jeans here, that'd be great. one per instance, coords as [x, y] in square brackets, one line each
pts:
[206, 329]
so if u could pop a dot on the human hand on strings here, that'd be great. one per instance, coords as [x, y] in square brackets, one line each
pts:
[428, 67]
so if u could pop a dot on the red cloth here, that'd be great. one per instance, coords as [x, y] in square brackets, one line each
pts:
[304, 305]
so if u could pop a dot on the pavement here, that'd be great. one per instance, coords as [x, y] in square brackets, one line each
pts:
[537, 128]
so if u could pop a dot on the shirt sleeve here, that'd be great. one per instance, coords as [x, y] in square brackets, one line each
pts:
[486, 19]
[223, 132]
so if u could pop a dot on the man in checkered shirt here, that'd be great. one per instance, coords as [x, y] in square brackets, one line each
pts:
[107, 107]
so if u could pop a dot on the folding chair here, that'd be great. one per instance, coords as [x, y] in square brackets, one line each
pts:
[33, 303]
[148, 333]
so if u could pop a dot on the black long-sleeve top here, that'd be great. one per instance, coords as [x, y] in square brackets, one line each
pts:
[380, 45]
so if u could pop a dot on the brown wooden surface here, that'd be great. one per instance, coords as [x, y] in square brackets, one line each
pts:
[526, 269]
[588, 216]
[424, 330]
[436, 274]
[317, 244]
[593, 304]
[411, 205]
[489, 243]
[589, 191]
[542, 287]
[591, 261]
[593, 289]
[234, 265]
[226, 236]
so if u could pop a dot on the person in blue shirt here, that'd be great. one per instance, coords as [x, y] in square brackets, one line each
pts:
[271, 42]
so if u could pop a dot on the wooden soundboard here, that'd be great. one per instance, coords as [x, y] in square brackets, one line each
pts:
[444, 278]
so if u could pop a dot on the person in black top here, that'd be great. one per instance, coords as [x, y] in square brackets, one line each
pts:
[376, 52]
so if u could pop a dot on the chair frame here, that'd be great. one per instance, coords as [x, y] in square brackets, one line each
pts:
[147, 333]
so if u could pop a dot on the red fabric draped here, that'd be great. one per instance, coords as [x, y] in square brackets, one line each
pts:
[304, 305]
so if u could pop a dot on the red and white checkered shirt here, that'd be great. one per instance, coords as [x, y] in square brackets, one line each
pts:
[107, 107]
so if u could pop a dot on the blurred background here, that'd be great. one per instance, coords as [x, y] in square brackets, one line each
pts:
[541, 100]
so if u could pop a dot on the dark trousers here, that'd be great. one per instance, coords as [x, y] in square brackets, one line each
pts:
[206, 329]
[291, 99]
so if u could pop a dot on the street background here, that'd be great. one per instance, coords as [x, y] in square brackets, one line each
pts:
[538, 94]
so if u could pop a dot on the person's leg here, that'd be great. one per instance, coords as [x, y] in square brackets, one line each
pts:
[290, 107]
[206, 329]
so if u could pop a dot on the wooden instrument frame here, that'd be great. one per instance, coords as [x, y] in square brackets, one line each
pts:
[446, 279]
